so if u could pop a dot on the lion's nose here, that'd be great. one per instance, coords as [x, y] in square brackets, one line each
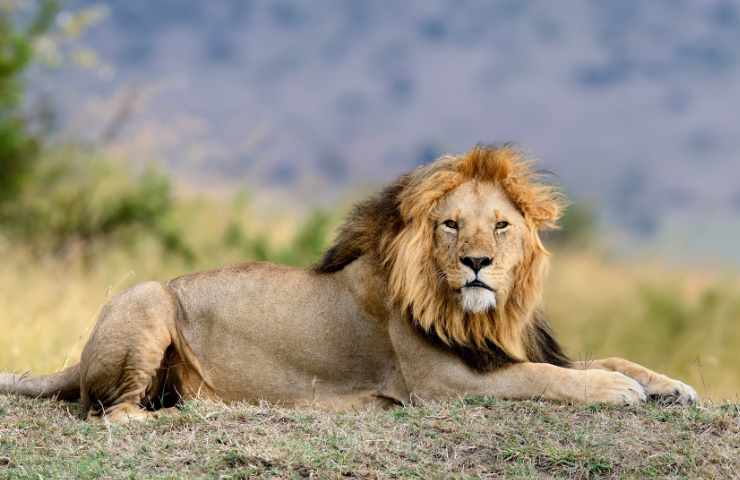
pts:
[476, 263]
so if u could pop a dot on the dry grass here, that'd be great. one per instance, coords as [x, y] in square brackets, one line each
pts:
[475, 438]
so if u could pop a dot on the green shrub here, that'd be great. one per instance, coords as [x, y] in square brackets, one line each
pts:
[80, 199]
[53, 197]
[19, 147]
[306, 246]
[310, 240]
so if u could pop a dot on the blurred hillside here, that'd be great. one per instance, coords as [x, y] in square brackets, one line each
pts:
[630, 102]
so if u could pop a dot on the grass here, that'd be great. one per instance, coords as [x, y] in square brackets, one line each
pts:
[472, 438]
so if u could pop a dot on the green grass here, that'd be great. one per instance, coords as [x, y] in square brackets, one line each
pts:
[470, 438]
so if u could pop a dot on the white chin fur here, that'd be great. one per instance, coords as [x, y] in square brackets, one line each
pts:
[476, 300]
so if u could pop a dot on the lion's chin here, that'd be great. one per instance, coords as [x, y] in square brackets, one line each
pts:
[477, 300]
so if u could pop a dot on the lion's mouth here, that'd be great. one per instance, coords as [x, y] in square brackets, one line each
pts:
[477, 284]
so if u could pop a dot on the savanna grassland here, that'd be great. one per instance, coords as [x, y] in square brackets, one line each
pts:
[679, 321]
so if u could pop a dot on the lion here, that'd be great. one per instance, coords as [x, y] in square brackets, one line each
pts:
[432, 290]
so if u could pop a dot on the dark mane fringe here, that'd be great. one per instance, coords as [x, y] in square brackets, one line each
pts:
[480, 359]
[541, 344]
[364, 229]
[541, 348]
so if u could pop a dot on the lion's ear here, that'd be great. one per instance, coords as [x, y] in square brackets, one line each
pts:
[546, 213]
[542, 204]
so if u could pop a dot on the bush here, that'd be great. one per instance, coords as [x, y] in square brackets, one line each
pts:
[19, 148]
[305, 248]
[78, 199]
[54, 197]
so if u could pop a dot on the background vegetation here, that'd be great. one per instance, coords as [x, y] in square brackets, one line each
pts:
[77, 227]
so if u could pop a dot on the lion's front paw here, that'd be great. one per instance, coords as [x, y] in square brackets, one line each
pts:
[612, 387]
[667, 390]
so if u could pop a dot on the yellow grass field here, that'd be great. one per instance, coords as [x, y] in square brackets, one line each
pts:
[681, 322]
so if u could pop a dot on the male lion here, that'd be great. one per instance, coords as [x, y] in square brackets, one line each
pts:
[432, 290]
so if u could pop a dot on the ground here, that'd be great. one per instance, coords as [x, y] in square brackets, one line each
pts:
[471, 438]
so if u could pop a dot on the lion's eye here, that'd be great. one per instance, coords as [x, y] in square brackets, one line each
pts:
[501, 225]
[451, 224]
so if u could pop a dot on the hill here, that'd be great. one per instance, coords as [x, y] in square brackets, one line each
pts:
[474, 438]
[629, 102]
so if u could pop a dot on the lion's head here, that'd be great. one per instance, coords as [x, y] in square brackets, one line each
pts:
[458, 241]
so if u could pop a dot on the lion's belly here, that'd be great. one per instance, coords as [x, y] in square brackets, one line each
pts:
[284, 335]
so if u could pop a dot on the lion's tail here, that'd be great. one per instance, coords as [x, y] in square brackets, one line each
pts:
[64, 385]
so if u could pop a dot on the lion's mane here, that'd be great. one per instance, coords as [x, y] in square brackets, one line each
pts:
[395, 230]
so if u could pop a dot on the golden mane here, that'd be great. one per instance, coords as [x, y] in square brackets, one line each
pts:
[396, 230]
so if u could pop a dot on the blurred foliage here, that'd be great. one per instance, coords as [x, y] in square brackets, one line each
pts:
[56, 197]
[578, 228]
[19, 147]
[678, 325]
[79, 200]
[304, 247]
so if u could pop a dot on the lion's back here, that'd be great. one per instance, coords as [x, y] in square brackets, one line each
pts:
[272, 328]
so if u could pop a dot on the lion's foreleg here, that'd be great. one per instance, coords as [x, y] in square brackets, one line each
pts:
[656, 385]
[540, 380]
[432, 373]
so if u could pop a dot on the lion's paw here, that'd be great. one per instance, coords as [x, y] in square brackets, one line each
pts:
[667, 390]
[612, 387]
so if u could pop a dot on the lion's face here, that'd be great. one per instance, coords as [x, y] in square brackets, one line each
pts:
[478, 239]
[457, 242]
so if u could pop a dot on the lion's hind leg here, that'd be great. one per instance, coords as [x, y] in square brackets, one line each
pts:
[125, 360]
[657, 386]
[123, 413]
